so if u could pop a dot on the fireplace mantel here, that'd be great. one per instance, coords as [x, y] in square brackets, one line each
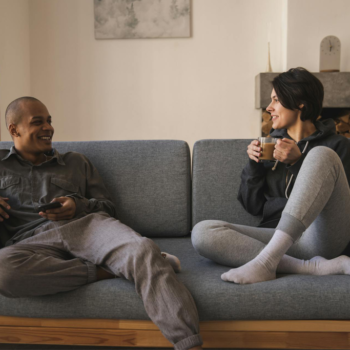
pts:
[336, 88]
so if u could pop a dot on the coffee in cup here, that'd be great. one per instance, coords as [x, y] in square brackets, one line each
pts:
[267, 145]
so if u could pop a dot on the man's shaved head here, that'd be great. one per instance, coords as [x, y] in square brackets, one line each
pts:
[30, 126]
[14, 110]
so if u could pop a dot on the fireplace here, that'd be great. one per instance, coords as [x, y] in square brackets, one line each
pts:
[336, 104]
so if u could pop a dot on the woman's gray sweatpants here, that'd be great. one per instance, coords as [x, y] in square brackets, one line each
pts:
[60, 258]
[318, 210]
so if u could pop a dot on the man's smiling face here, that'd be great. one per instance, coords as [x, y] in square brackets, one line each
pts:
[34, 131]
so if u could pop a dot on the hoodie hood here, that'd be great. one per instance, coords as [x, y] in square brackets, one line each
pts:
[324, 128]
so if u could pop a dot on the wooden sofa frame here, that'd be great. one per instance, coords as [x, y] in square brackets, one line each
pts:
[305, 334]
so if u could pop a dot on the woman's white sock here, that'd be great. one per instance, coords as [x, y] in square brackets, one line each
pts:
[318, 266]
[263, 267]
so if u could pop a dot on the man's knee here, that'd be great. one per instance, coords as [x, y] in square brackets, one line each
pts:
[202, 234]
[145, 247]
[9, 278]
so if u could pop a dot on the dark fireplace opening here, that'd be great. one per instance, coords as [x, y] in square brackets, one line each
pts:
[341, 117]
[334, 112]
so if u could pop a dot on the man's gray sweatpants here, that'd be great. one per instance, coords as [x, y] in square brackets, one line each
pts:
[60, 258]
[318, 210]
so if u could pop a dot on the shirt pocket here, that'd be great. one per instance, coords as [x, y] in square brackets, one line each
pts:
[61, 187]
[9, 184]
[10, 187]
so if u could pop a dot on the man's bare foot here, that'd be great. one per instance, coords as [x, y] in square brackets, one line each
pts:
[102, 274]
[173, 260]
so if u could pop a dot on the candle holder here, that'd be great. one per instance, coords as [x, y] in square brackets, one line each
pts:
[268, 67]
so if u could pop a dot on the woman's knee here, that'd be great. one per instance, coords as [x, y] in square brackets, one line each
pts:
[323, 153]
[202, 234]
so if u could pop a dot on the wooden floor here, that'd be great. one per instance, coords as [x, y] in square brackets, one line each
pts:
[66, 347]
[69, 334]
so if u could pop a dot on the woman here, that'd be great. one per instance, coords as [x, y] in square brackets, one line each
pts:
[304, 200]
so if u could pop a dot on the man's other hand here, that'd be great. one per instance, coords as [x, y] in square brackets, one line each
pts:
[3, 214]
[66, 212]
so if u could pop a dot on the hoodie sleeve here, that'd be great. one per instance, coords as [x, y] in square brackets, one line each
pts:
[251, 191]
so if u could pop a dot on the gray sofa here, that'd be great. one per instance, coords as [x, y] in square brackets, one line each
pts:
[150, 182]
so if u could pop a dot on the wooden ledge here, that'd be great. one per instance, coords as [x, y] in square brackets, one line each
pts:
[305, 334]
[243, 326]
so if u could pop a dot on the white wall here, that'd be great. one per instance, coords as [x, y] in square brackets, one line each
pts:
[14, 54]
[190, 89]
[309, 21]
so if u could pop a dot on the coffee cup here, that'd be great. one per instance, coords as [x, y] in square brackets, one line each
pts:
[267, 145]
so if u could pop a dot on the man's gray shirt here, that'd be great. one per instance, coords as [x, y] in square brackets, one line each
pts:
[28, 186]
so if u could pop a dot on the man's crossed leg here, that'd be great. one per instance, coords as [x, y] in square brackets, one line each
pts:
[66, 257]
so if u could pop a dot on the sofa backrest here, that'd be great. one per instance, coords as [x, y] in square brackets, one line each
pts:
[216, 171]
[149, 181]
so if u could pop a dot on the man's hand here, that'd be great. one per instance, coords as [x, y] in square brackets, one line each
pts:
[286, 151]
[66, 212]
[3, 214]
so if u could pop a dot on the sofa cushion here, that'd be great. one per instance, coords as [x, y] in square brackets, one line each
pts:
[149, 181]
[217, 167]
[289, 297]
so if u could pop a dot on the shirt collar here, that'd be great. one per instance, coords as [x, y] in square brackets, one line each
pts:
[12, 151]
[55, 155]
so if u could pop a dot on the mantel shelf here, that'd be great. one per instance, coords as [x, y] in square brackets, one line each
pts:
[336, 88]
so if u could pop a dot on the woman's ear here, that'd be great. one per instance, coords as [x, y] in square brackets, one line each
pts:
[301, 106]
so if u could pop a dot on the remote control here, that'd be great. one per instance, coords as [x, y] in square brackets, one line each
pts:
[52, 205]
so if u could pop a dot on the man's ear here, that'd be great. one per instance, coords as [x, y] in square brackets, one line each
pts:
[13, 130]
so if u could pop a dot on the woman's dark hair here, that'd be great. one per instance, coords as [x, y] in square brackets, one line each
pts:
[298, 86]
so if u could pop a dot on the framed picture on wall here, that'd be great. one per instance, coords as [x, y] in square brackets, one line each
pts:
[135, 19]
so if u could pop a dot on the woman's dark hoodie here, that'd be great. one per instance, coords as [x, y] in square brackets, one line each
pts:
[262, 191]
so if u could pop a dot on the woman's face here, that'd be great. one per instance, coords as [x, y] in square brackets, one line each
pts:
[282, 118]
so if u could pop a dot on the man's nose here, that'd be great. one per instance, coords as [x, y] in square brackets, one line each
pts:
[48, 126]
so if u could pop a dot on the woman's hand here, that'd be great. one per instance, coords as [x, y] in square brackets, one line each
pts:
[254, 150]
[286, 151]
[3, 214]
[66, 212]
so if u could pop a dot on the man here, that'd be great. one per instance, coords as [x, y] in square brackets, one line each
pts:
[81, 242]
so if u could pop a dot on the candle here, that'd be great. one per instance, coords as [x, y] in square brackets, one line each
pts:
[269, 32]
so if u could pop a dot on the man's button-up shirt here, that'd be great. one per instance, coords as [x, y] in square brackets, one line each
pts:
[28, 186]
